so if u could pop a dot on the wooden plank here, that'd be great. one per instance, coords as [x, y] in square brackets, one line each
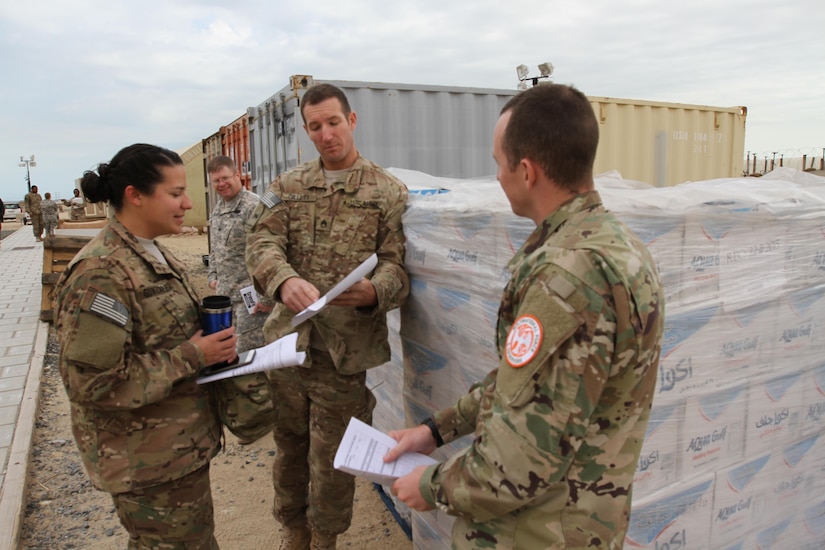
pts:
[50, 278]
[71, 242]
[58, 252]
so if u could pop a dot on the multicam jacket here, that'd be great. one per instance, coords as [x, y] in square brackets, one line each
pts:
[306, 229]
[123, 320]
[227, 265]
[559, 424]
[31, 203]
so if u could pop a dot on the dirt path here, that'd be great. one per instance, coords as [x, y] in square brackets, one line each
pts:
[64, 511]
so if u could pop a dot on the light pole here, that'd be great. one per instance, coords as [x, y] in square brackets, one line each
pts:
[27, 162]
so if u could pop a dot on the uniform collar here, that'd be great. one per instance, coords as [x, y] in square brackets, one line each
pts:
[231, 204]
[174, 267]
[579, 203]
[350, 183]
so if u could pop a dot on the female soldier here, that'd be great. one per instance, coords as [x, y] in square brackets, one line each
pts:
[130, 350]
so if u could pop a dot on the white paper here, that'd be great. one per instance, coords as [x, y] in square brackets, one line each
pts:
[277, 355]
[361, 453]
[357, 274]
[250, 298]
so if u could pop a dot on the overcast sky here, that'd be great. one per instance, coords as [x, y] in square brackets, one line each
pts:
[83, 78]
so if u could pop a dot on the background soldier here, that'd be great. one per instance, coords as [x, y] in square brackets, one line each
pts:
[31, 204]
[227, 245]
[78, 207]
[50, 211]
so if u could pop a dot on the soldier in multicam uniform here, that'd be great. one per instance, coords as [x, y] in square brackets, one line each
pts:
[558, 426]
[49, 210]
[31, 204]
[130, 350]
[77, 205]
[227, 241]
[316, 224]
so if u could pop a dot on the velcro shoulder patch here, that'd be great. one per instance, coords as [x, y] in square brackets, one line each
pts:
[270, 199]
[110, 309]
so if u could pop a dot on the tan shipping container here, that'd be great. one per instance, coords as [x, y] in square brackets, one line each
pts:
[666, 144]
[192, 157]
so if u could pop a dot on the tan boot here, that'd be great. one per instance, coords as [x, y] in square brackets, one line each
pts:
[321, 541]
[295, 538]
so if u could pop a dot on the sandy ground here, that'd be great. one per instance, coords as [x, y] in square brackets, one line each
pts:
[64, 511]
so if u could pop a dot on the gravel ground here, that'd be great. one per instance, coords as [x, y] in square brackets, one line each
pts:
[64, 512]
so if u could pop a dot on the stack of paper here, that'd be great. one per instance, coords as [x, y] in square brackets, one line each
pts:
[277, 355]
[361, 453]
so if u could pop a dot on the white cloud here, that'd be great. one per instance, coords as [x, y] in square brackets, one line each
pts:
[86, 77]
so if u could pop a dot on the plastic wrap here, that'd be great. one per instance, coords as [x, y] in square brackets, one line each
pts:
[734, 454]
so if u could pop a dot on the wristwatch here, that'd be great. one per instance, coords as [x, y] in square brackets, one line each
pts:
[430, 423]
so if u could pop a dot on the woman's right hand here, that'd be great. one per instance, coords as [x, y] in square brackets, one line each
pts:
[217, 347]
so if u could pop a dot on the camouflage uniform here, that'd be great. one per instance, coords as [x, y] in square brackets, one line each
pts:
[559, 424]
[49, 210]
[139, 419]
[321, 233]
[31, 204]
[227, 241]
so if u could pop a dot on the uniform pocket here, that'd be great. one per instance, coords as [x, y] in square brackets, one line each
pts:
[355, 232]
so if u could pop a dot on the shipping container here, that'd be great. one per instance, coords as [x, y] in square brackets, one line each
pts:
[439, 130]
[669, 143]
[192, 157]
[447, 131]
[232, 141]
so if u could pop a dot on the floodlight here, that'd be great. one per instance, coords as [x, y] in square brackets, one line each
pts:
[522, 71]
[546, 69]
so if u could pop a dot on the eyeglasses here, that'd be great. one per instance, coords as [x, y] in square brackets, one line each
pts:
[222, 179]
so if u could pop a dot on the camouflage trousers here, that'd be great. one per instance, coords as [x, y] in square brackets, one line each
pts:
[248, 327]
[49, 226]
[315, 405]
[176, 515]
[37, 224]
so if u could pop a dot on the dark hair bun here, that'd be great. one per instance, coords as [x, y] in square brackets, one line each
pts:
[94, 184]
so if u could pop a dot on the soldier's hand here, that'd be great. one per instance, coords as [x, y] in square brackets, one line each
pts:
[361, 294]
[218, 346]
[213, 284]
[261, 308]
[407, 491]
[298, 294]
[411, 440]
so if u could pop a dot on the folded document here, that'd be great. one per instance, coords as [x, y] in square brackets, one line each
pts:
[361, 453]
[277, 355]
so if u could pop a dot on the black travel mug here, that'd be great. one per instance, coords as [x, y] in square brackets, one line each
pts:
[216, 314]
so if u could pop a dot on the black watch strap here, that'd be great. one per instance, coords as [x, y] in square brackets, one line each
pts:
[430, 423]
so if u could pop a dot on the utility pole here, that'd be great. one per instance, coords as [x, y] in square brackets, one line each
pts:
[28, 162]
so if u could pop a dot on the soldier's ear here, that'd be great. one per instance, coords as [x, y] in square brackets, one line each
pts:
[132, 195]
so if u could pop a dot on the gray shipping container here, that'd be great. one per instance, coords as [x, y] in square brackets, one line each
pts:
[447, 131]
[440, 130]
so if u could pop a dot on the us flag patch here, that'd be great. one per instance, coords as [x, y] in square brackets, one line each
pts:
[109, 309]
[270, 199]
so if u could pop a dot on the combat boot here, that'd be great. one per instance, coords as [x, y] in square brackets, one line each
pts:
[295, 538]
[321, 541]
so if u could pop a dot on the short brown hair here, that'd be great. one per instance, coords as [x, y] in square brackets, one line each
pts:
[321, 92]
[553, 125]
[219, 162]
